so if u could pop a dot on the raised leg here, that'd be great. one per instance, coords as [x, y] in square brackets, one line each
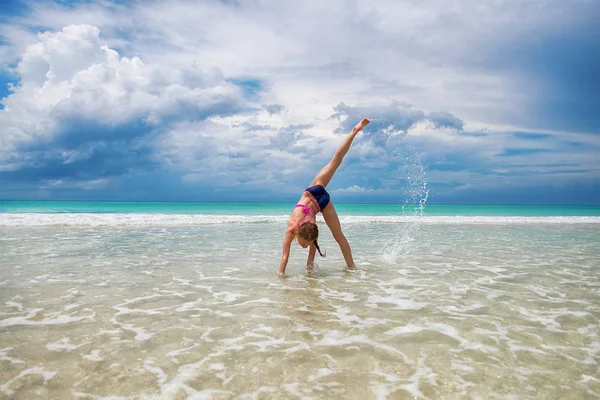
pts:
[324, 176]
[333, 222]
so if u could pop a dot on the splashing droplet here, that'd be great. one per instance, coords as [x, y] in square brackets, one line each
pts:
[413, 206]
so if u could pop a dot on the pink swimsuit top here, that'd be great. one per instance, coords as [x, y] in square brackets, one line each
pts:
[307, 209]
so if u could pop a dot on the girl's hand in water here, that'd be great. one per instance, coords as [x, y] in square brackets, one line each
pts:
[363, 122]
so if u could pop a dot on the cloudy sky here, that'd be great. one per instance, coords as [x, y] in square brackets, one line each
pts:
[474, 101]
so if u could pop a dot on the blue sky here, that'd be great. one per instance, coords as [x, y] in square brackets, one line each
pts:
[474, 102]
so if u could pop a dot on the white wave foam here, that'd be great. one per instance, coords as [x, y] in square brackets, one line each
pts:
[28, 220]
[60, 320]
[64, 345]
[93, 356]
[133, 219]
[38, 370]
[4, 356]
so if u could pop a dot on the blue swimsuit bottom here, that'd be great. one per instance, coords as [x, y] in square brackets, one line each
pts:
[320, 195]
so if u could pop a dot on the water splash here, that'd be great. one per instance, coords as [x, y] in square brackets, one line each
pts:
[416, 193]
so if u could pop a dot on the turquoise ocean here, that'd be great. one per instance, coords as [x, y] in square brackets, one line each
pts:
[232, 208]
[177, 300]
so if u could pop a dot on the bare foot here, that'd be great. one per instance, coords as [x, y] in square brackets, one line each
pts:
[363, 122]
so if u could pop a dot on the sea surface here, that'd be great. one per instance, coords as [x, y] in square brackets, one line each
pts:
[108, 300]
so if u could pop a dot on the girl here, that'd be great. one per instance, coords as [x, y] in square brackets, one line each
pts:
[302, 223]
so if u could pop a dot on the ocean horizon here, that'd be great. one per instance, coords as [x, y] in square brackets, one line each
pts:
[271, 208]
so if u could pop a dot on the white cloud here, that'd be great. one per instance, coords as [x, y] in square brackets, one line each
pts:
[52, 184]
[94, 184]
[353, 189]
[165, 67]
[71, 77]
[430, 54]
[59, 56]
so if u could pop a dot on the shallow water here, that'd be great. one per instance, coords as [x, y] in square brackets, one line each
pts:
[481, 310]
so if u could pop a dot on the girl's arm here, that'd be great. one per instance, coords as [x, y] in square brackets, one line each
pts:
[287, 243]
[311, 256]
